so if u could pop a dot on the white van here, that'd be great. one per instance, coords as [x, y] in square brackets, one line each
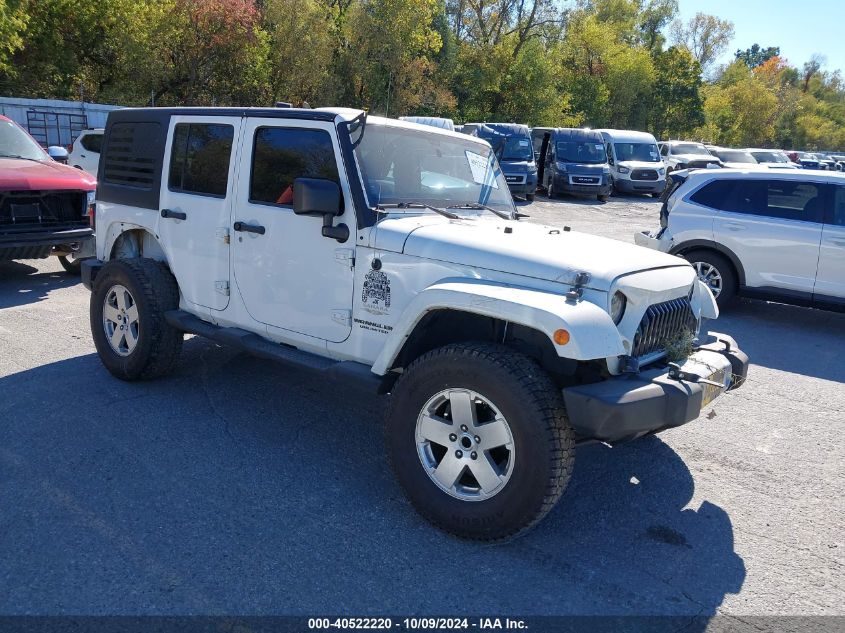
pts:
[635, 163]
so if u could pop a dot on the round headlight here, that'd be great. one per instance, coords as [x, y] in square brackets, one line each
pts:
[617, 307]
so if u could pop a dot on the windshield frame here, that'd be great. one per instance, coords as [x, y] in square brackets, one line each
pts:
[36, 153]
[466, 142]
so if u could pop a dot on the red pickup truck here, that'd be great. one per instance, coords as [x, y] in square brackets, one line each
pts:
[46, 208]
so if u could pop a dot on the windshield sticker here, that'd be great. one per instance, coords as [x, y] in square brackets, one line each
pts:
[375, 295]
[523, 143]
[653, 154]
[599, 146]
[480, 167]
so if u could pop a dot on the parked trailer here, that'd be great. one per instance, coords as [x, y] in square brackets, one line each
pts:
[55, 122]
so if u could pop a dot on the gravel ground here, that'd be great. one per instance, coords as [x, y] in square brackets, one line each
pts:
[240, 486]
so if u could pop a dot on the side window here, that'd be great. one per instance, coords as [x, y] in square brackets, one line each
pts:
[92, 142]
[281, 155]
[716, 194]
[795, 200]
[837, 215]
[749, 196]
[199, 160]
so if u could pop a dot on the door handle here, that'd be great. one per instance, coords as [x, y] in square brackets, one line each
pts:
[249, 228]
[82, 155]
[175, 215]
[733, 226]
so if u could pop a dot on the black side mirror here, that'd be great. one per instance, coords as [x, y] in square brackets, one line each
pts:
[317, 197]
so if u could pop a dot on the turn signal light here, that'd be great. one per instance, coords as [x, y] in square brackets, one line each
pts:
[561, 337]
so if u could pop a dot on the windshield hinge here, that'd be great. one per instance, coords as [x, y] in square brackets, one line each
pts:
[581, 279]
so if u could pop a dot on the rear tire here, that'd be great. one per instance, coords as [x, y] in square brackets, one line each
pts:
[523, 453]
[128, 304]
[71, 266]
[716, 272]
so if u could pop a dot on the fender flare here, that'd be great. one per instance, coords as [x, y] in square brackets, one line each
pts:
[593, 333]
[117, 229]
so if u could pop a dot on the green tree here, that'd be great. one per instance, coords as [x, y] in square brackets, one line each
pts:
[676, 107]
[756, 56]
[706, 37]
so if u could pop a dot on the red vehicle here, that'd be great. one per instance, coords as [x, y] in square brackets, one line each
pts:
[46, 208]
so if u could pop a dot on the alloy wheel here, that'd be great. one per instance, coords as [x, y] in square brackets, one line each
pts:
[120, 320]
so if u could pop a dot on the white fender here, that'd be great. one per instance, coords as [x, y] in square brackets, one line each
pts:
[592, 332]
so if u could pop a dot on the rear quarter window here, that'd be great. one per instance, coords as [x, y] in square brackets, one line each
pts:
[715, 194]
[92, 142]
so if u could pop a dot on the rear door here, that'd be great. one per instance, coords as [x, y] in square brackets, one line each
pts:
[196, 200]
[830, 280]
[774, 227]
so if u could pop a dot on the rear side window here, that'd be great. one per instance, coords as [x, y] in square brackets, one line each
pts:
[92, 142]
[715, 194]
[199, 159]
[281, 155]
[786, 199]
[132, 155]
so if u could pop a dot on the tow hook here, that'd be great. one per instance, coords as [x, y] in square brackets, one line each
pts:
[676, 373]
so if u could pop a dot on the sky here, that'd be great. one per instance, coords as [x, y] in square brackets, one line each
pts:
[799, 27]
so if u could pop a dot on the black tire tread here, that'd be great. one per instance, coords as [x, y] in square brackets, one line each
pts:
[526, 372]
[161, 293]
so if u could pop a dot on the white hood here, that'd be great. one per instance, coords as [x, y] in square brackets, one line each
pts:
[640, 164]
[531, 250]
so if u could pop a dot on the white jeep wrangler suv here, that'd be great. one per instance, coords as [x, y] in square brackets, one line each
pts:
[391, 253]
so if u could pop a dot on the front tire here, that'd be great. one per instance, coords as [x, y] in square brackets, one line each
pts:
[478, 439]
[128, 304]
[602, 198]
[529, 197]
[717, 273]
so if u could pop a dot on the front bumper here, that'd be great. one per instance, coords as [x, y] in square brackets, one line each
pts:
[639, 186]
[564, 184]
[626, 407]
[650, 240]
[526, 184]
[38, 244]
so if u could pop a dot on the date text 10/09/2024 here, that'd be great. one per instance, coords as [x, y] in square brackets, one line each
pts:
[414, 624]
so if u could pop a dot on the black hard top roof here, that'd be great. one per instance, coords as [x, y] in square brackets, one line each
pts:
[280, 113]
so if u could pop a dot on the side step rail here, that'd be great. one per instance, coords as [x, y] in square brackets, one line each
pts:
[349, 371]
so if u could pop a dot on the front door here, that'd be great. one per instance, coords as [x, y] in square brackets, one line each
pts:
[288, 274]
[830, 281]
[774, 228]
[196, 196]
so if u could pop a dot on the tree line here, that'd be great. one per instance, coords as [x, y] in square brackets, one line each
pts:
[629, 64]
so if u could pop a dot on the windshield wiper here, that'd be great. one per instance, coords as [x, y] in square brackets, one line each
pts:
[35, 160]
[478, 207]
[418, 205]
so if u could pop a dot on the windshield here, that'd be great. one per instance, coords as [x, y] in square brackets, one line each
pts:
[587, 152]
[690, 148]
[17, 143]
[516, 148]
[645, 152]
[733, 156]
[770, 157]
[399, 165]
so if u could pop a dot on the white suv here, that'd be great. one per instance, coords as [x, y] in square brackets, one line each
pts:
[390, 252]
[85, 153]
[765, 234]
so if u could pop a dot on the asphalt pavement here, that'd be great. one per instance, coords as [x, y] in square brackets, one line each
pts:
[239, 486]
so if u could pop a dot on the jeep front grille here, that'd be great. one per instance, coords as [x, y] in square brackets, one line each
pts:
[663, 322]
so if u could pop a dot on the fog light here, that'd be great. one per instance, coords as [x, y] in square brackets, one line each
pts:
[561, 337]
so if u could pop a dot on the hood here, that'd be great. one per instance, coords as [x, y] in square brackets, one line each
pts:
[27, 175]
[586, 169]
[697, 158]
[517, 166]
[531, 250]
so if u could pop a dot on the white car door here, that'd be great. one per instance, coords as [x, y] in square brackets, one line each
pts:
[830, 281]
[86, 152]
[774, 228]
[196, 200]
[288, 275]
